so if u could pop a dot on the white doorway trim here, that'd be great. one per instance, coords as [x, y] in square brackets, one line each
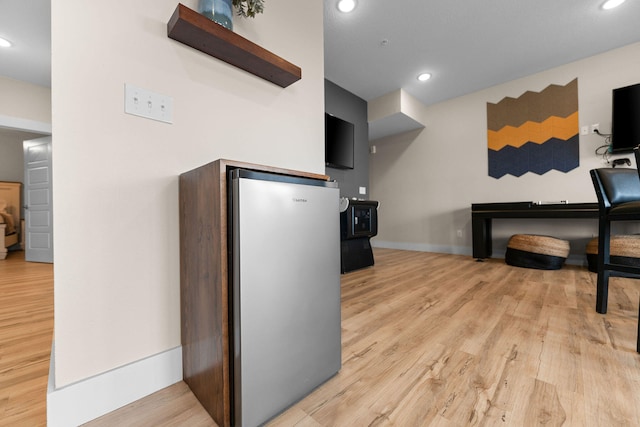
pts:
[25, 125]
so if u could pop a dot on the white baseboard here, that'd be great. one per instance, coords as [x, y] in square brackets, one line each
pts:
[573, 259]
[93, 397]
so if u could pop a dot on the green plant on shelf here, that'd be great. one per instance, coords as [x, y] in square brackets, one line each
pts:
[248, 8]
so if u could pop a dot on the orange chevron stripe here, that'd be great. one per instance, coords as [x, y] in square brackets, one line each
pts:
[553, 127]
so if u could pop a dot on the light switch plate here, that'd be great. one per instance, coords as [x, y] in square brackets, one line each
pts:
[145, 103]
[363, 190]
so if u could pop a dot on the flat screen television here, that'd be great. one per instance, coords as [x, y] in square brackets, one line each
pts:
[338, 142]
[625, 119]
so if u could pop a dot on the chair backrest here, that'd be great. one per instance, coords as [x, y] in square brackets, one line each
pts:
[615, 186]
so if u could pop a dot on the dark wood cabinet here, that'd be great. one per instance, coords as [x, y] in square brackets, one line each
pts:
[204, 283]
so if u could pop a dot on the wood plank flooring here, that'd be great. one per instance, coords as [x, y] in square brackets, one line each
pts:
[441, 340]
[26, 332]
[428, 339]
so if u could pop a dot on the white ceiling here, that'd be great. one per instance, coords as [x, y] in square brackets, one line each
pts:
[467, 45]
[27, 24]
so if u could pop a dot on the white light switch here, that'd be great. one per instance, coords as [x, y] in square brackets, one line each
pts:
[363, 190]
[144, 103]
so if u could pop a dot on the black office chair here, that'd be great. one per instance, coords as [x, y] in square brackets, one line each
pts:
[618, 192]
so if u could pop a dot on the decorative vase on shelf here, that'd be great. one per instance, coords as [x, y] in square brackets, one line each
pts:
[219, 11]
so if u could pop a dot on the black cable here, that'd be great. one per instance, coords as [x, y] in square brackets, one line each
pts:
[607, 140]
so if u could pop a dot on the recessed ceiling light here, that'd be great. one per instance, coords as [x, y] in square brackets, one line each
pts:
[346, 5]
[424, 77]
[4, 42]
[610, 4]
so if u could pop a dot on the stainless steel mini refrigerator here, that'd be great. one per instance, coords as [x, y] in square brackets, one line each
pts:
[286, 290]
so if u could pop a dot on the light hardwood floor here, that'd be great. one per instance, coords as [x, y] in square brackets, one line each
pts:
[26, 331]
[442, 340]
[428, 339]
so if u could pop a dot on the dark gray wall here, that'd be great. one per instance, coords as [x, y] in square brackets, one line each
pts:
[347, 106]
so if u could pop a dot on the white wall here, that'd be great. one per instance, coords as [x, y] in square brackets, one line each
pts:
[115, 176]
[24, 101]
[22, 106]
[427, 180]
[11, 159]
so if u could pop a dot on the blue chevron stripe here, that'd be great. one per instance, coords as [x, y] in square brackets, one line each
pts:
[555, 154]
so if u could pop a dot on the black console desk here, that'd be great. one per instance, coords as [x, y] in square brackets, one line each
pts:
[483, 213]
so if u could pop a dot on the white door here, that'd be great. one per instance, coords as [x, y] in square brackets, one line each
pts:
[38, 203]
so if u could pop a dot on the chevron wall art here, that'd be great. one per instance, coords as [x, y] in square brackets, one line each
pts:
[536, 132]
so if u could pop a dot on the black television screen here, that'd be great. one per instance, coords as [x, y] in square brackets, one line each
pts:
[338, 142]
[625, 119]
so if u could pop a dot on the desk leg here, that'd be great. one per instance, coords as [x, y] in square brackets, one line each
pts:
[481, 237]
[602, 291]
[604, 258]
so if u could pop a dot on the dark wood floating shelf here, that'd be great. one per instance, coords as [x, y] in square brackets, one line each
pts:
[193, 29]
